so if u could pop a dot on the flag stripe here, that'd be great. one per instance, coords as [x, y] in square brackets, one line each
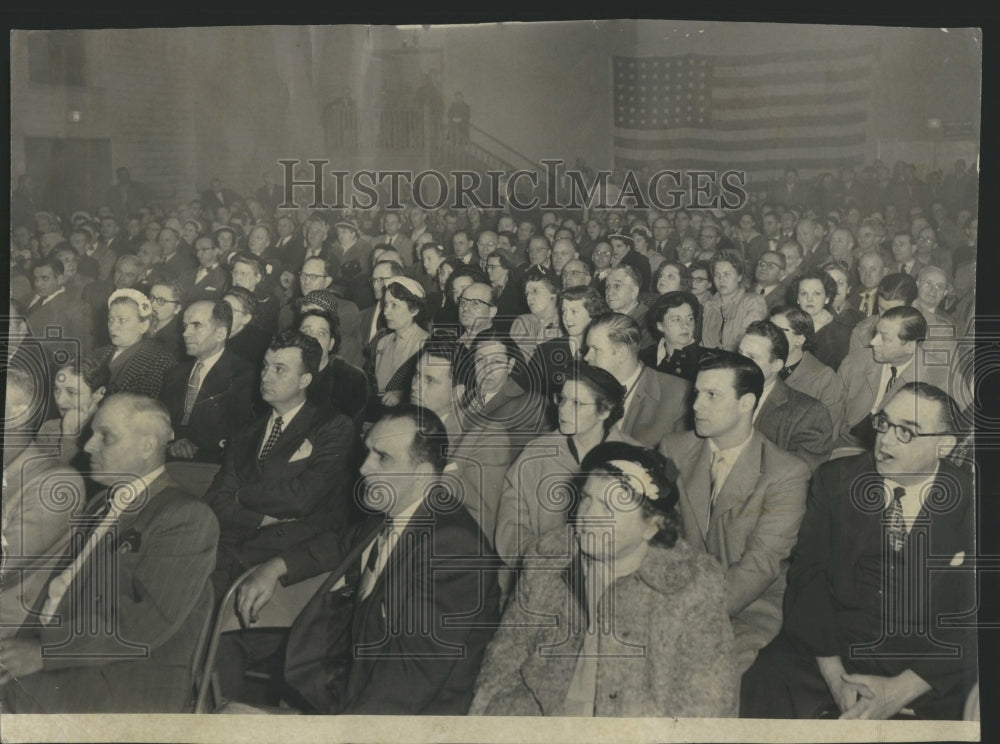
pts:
[827, 77]
[837, 122]
[805, 55]
[642, 159]
[817, 99]
[740, 144]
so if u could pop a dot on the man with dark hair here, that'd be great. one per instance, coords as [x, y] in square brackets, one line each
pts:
[894, 290]
[245, 340]
[210, 280]
[867, 632]
[337, 383]
[248, 272]
[210, 395]
[166, 296]
[796, 422]
[174, 264]
[655, 403]
[771, 282]
[399, 652]
[896, 354]
[286, 476]
[53, 308]
[741, 497]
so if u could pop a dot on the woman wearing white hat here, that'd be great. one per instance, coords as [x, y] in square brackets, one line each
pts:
[404, 308]
[135, 362]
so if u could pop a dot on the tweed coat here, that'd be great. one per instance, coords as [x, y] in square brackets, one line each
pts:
[670, 652]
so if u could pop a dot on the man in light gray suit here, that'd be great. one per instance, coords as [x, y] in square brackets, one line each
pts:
[655, 403]
[742, 498]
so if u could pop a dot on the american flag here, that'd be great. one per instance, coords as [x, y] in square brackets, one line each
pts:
[759, 113]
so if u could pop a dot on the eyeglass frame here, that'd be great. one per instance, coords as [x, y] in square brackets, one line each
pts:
[161, 301]
[473, 300]
[903, 434]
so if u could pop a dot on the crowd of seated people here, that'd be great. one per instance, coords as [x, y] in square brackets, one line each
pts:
[683, 433]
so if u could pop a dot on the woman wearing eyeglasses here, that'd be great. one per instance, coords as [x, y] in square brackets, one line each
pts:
[537, 494]
[136, 363]
[635, 619]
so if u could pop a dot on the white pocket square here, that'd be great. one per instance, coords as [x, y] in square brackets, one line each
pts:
[305, 449]
[958, 559]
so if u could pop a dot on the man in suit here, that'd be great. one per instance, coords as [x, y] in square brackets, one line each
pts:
[34, 481]
[656, 403]
[123, 643]
[871, 269]
[403, 650]
[772, 284]
[391, 223]
[111, 237]
[216, 196]
[210, 280]
[496, 421]
[286, 476]
[741, 497]
[815, 250]
[904, 253]
[53, 307]
[796, 422]
[127, 196]
[866, 633]
[166, 296]
[174, 264]
[210, 395]
[897, 354]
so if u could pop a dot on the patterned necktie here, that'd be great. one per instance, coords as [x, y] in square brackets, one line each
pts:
[865, 304]
[896, 530]
[194, 384]
[368, 576]
[762, 291]
[892, 380]
[272, 438]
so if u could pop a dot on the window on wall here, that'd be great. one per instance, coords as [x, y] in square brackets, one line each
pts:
[56, 57]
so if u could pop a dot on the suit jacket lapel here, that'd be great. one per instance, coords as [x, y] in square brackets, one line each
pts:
[218, 378]
[643, 390]
[698, 484]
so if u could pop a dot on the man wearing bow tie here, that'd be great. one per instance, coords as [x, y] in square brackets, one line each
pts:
[865, 634]
[120, 642]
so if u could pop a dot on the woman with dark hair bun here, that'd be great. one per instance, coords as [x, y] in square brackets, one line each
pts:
[638, 624]
[815, 292]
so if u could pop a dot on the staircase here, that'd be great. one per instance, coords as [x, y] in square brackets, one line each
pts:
[394, 137]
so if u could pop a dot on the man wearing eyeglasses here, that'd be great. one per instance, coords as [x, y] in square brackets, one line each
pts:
[865, 635]
[771, 284]
[167, 298]
[210, 280]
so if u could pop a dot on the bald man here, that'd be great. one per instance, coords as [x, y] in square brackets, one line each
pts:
[121, 642]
